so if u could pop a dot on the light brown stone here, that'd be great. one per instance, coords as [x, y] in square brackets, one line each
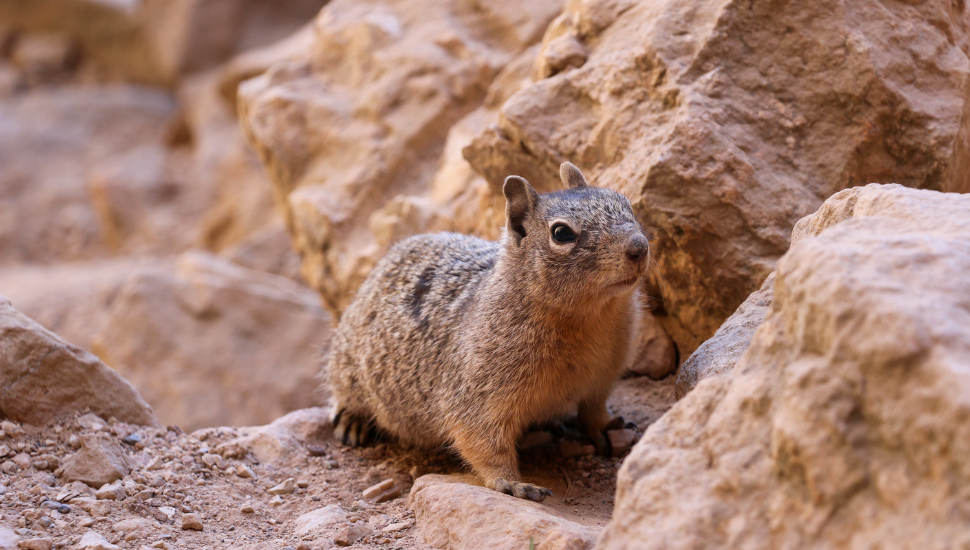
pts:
[43, 377]
[192, 522]
[845, 424]
[451, 513]
[350, 533]
[95, 541]
[320, 518]
[656, 354]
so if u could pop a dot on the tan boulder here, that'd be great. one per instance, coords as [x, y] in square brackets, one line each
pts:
[726, 122]
[721, 352]
[42, 377]
[454, 513]
[363, 117]
[210, 343]
[846, 423]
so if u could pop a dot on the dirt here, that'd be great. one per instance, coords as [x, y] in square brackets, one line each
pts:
[584, 486]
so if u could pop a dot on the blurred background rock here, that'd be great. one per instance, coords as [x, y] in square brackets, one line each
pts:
[120, 153]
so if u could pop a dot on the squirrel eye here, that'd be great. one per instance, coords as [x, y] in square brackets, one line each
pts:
[562, 233]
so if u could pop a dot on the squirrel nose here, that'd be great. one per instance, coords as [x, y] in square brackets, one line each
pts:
[637, 248]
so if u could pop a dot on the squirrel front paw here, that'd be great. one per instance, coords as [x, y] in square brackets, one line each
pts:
[519, 489]
[353, 430]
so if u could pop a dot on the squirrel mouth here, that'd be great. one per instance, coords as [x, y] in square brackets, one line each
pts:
[626, 282]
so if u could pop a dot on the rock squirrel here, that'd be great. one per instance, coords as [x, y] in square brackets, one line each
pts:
[454, 340]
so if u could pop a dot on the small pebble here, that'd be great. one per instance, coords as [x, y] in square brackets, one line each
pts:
[244, 472]
[192, 521]
[276, 501]
[351, 533]
[316, 450]
[382, 492]
[284, 488]
[396, 527]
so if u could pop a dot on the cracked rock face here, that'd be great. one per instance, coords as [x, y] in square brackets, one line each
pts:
[364, 118]
[42, 376]
[846, 423]
[725, 122]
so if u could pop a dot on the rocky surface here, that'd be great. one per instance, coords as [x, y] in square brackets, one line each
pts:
[217, 487]
[845, 423]
[42, 376]
[726, 122]
[721, 352]
[364, 115]
[211, 343]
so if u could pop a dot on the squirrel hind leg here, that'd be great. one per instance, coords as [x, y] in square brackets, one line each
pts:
[354, 430]
[494, 460]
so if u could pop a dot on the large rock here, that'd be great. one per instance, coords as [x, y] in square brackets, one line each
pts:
[42, 377]
[846, 424]
[213, 344]
[459, 516]
[726, 121]
[364, 116]
[721, 352]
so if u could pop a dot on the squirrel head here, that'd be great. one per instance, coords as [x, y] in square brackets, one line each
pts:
[583, 241]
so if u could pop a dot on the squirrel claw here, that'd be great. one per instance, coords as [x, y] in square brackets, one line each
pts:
[519, 489]
[352, 431]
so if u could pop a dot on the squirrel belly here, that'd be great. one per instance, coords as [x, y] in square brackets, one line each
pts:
[454, 340]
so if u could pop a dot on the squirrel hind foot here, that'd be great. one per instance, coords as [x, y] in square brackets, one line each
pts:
[519, 489]
[354, 430]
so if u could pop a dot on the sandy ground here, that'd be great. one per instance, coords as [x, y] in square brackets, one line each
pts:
[173, 470]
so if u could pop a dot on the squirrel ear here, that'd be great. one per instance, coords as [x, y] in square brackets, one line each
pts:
[521, 200]
[571, 175]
